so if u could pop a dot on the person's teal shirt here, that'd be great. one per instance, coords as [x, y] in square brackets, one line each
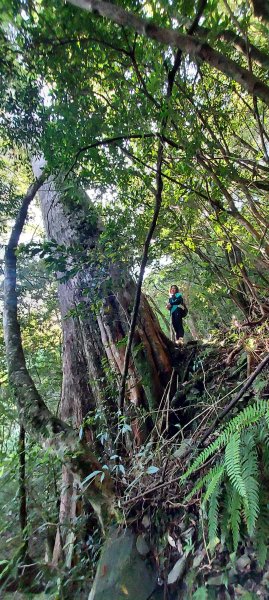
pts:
[175, 300]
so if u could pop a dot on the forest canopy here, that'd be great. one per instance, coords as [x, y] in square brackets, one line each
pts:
[137, 132]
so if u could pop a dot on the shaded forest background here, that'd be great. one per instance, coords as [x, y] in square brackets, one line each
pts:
[134, 155]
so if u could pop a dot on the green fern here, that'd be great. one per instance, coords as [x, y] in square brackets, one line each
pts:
[266, 416]
[210, 476]
[232, 488]
[213, 516]
[262, 526]
[200, 594]
[225, 521]
[262, 531]
[233, 465]
[216, 477]
[248, 416]
[250, 476]
[235, 512]
[265, 457]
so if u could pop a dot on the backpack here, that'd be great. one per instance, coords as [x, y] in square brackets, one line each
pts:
[185, 311]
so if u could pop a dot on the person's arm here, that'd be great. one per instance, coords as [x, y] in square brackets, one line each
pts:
[178, 300]
[169, 305]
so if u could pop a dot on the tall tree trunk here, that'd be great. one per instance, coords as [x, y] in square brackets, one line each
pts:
[89, 338]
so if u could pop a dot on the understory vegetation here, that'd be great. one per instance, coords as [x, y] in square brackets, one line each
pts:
[134, 155]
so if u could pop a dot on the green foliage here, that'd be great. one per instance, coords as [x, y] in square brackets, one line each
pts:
[234, 508]
[236, 481]
[213, 516]
[249, 415]
[91, 97]
[233, 464]
[200, 594]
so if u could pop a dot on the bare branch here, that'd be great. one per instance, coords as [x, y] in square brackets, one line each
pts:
[158, 201]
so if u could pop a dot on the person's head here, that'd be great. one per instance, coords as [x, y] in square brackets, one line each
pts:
[174, 289]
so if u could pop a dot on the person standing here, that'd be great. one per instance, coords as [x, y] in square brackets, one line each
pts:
[178, 311]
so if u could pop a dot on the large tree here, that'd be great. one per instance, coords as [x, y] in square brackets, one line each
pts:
[173, 138]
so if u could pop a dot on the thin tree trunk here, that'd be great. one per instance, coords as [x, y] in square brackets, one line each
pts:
[22, 486]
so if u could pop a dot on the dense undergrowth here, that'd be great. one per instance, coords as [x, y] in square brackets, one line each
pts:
[207, 503]
[196, 491]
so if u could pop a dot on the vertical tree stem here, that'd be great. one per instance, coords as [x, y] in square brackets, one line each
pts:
[22, 484]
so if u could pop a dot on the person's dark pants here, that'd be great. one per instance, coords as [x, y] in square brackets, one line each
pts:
[177, 323]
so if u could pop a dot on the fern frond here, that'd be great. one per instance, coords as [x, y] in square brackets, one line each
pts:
[235, 484]
[248, 416]
[225, 521]
[261, 433]
[215, 480]
[202, 482]
[262, 549]
[250, 474]
[265, 458]
[213, 516]
[266, 416]
[262, 530]
[235, 511]
[233, 465]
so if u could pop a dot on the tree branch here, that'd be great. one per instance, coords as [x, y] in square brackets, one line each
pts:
[158, 202]
[107, 142]
[190, 31]
[186, 43]
[240, 44]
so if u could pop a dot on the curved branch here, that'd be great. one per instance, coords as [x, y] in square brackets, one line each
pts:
[157, 208]
[158, 202]
[107, 142]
